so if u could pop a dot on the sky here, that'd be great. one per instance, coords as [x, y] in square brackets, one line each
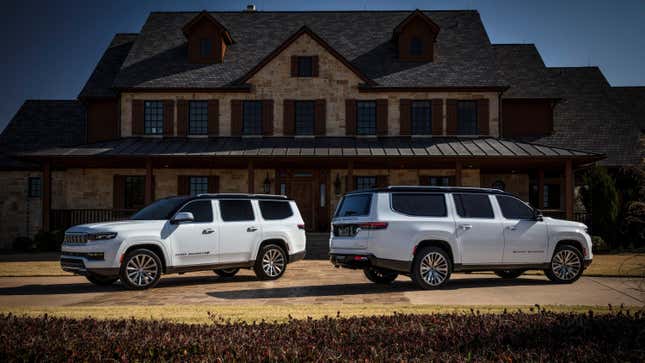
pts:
[52, 46]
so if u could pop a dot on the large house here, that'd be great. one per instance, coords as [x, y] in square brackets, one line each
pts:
[311, 105]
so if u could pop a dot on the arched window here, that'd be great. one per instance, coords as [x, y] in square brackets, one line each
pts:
[416, 46]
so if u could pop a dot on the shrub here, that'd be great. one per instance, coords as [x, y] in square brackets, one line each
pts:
[598, 244]
[22, 244]
[543, 336]
[634, 224]
[48, 241]
[599, 196]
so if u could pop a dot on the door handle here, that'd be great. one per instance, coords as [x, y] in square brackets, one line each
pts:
[466, 226]
[208, 231]
[511, 228]
[251, 229]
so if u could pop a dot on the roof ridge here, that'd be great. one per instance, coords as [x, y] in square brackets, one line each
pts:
[511, 44]
[312, 11]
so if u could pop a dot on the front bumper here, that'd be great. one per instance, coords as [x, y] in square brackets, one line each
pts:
[586, 263]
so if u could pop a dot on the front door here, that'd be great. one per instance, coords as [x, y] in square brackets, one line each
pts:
[308, 189]
[197, 242]
[525, 236]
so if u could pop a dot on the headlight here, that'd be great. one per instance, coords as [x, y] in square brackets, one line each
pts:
[101, 236]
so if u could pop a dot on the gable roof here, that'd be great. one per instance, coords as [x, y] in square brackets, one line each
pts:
[464, 56]
[417, 14]
[522, 68]
[204, 15]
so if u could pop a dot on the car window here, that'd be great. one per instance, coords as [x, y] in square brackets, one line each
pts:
[418, 204]
[513, 208]
[473, 206]
[202, 210]
[162, 209]
[236, 210]
[272, 210]
[354, 205]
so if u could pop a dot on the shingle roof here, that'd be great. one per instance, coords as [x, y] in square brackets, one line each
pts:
[317, 147]
[631, 99]
[522, 68]
[100, 82]
[464, 56]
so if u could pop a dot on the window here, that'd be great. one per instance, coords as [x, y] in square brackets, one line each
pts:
[305, 114]
[355, 205]
[467, 118]
[416, 204]
[134, 192]
[153, 118]
[198, 118]
[162, 209]
[552, 196]
[440, 181]
[473, 206]
[365, 182]
[252, 117]
[366, 118]
[513, 208]
[421, 118]
[198, 185]
[273, 210]
[416, 46]
[236, 210]
[305, 67]
[202, 210]
[205, 47]
[35, 187]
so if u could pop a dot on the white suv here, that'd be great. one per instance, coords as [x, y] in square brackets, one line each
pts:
[220, 232]
[429, 232]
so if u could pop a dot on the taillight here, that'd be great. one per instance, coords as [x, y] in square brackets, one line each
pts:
[301, 226]
[373, 225]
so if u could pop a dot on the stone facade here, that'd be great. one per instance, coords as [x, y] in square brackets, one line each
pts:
[20, 215]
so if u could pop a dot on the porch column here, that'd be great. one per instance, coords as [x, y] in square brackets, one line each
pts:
[251, 178]
[149, 182]
[568, 189]
[350, 177]
[540, 189]
[46, 195]
[458, 168]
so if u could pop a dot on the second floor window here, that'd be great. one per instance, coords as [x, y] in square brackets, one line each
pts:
[305, 66]
[304, 113]
[438, 181]
[365, 182]
[467, 118]
[153, 118]
[421, 118]
[252, 117]
[416, 46]
[198, 185]
[198, 118]
[366, 118]
[205, 47]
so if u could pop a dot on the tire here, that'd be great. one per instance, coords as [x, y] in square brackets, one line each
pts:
[509, 274]
[380, 275]
[101, 280]
[428, 260]
[270, 263]
[227, 272]
[141, 269]
[566, 265]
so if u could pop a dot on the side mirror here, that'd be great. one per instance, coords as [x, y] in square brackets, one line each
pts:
[182, 217]
[538, 215]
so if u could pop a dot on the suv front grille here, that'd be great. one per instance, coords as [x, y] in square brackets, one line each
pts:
[75, 238]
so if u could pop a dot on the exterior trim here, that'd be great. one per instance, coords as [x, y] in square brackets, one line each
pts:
[339, 260]
[297, 257]
[364, 88]
[460, 267]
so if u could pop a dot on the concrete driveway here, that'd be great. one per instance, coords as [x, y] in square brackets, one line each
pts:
[317, 282]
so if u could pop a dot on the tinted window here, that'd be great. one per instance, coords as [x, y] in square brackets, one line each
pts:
[236, 210]
[355, 205]
[160, 210]
[272, 210]
[473, 206]
[513, 208]
[415, 204]
[202, 210]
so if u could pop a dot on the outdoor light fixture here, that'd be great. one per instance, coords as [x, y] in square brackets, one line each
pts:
[267, 184]
[337, 185]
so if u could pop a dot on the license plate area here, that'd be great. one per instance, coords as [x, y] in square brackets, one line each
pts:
[345, 230]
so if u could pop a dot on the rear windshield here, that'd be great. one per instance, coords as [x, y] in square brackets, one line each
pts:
[354, 205]
[273, 210]
[162, 209]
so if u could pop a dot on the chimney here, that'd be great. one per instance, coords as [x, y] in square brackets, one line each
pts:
[250, 8]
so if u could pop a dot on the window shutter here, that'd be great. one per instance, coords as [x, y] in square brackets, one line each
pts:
[168, 117]
[182, 117]
[451, 107]
[382, 181]
[267, 117]
[213, 184]
[320, 124]
[294, 66]
[424, 180]
[349, 183]
[314, 66]
[118, 190]
[213, 117]
[381, 117]
[405, 110]
[437, 117]
[482, 116]
[289, 117]
[350, 117]
[137, 117]
[183, 185]
[236, 117]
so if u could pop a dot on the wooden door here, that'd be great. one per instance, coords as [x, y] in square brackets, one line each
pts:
[302, 191]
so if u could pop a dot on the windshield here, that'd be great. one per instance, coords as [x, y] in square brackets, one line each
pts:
[162, 209]
[354, 205]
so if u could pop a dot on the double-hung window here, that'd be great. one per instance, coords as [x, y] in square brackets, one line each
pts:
[305, 114]
[305, 66]
[421, 117]
[252, 118]
[198, 185]
[366, 117]
[467, 118]
[365, 182]
[416, 47]
[198, 118]
[153, 118]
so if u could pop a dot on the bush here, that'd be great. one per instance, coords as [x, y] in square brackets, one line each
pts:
[598, 244]
[48, 241]
[600, 197]
[634, 224]
[543, 336]
[22, 244]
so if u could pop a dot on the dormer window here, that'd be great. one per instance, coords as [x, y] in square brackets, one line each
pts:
[207, 39]
[416, 47]
[415, 37]
[205, 47]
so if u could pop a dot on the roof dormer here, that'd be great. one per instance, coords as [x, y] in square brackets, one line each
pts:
[415, 37]
[207, 39]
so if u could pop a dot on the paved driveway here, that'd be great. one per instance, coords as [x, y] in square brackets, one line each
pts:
[317, 282]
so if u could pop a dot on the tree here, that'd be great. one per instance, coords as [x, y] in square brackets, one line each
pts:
[600, 197]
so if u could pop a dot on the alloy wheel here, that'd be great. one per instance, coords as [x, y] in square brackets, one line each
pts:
[142, 270]
[434, 268]
[566, 265]
[273, 262]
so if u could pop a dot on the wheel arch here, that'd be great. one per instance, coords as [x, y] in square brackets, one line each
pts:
[436, 243]
[156, 248]
[276, 241]
[570, 242]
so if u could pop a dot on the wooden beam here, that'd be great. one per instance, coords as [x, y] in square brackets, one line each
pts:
[46, 196]
[251, 178]
[149, 183]
[458, 168]
[540, 189]
[350, 177]
[568, 189]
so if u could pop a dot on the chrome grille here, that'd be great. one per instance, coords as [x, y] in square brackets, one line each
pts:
[75, 238]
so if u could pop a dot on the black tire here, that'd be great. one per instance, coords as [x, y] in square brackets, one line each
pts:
[264, 270]
[568, 272]
[443, 268]
[509, 274]
[149, 277]
[380, 275]
[102, 280]
[227, 272]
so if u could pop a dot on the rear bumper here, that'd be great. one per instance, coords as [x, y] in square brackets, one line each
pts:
[354, 261]
[297, 256]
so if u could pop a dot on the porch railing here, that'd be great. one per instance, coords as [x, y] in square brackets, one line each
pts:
[61, 219]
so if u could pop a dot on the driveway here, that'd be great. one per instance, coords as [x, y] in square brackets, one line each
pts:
[317, 282]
